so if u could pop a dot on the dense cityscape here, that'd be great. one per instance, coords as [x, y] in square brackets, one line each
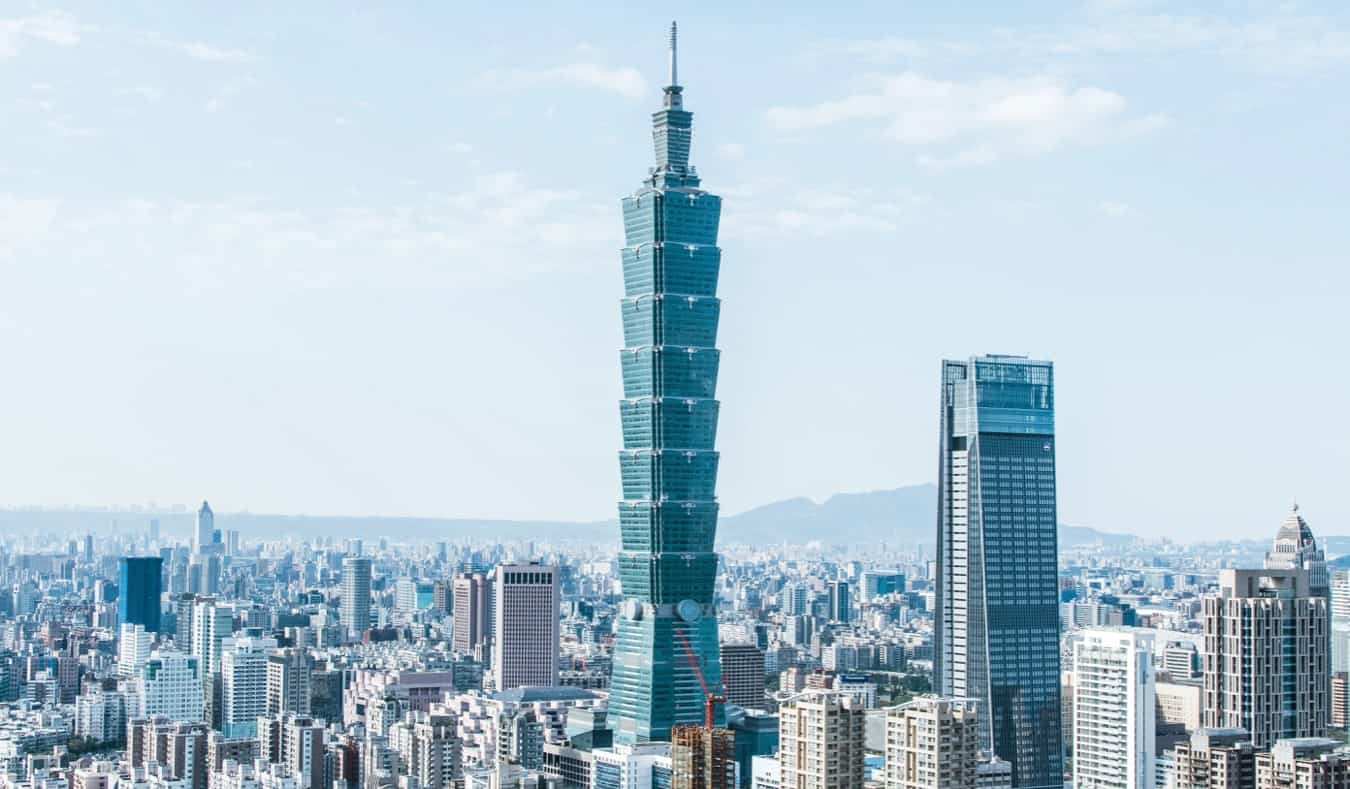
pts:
[196, 651]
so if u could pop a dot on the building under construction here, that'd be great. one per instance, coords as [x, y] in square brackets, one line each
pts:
[702, 757]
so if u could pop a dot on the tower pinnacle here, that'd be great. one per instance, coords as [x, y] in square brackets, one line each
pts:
[674, 71]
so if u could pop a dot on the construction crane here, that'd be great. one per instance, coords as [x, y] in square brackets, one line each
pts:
[710, 699]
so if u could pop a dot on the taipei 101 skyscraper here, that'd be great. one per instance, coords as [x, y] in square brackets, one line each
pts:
[666, 652]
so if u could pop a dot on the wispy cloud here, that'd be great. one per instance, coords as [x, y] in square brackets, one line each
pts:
[459, 147]
[198, 50]
[984, 119]
[1115, 208]
[49, 27]
[623, 80]
[773, 207]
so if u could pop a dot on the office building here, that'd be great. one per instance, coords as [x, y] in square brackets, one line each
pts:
[139, 585]
[1306, 763]
[821, 741]
[841, 610]
[1265, 656]
[996, 638]
[472, 625]
[932, 743]
[355, 613]
[1180, 705]
[204, 535]
[879, 584]
[525, 639]
[667, 630]
[743, 675]
[1296, 549]
[412, 595]
[1114, 708]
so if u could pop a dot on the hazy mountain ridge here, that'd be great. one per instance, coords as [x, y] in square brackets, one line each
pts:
[900, 516]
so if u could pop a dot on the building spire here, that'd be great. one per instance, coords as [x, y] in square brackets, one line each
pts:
[674, 70]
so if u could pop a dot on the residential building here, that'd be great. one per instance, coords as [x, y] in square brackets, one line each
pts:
[1304, 763]
[355, 613]
[472, 625]
[821, 741]
[932, 743]
[1114, 709]
[1266, 664]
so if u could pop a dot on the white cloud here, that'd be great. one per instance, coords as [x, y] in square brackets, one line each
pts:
[459, 147]
[772, 207]
[199, 50]
[624, 80]
[22, 220]
[731, 150]
[1115, 208]
[983, 119]
[50, 27]
[145, 91]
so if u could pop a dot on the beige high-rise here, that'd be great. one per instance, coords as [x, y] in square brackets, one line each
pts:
[1266, 661]
[932, 743]
[821, 741]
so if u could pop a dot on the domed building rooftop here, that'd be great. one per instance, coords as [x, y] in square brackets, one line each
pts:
[1295, 547]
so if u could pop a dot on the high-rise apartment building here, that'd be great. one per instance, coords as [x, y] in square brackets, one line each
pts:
[133, 648]
[1340, 620]
[243, 676]
[932, 743]
[288, 681]
[525, 639]
[743, 675]
[212, 623]
[1114, 710]
[295, 741]
[821, 741]
[1266, 664]
[996, 639]
[667, 630]
[472, 625]
[139, 585]
[1340, 700]
[355, 613]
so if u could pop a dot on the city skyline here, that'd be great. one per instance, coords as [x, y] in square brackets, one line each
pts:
[1144, 189]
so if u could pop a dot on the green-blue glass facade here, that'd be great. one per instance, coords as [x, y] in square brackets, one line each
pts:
[668, 464]
[997, 600]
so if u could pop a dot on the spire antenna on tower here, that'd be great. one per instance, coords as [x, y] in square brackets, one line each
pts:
[674, 72]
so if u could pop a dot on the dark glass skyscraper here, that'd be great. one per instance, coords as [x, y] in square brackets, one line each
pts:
[997, 634]
[667, 632]
[138, 591]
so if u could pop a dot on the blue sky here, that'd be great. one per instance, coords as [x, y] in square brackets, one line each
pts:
[329, 258]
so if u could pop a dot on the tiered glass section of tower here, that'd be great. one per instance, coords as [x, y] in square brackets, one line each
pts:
[667, 633]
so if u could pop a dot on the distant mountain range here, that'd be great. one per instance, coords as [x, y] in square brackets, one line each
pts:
[900, 516]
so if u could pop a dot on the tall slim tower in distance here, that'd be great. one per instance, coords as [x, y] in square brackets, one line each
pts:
[667, 631]
[996, 639]
[204, 535]
[355, 611]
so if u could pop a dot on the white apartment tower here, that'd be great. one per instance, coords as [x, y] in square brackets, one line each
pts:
[243, 677]
[525, 649]
[1114, 709]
